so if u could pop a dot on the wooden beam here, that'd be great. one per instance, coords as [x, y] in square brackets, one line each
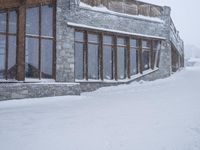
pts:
[7, 4]
[21, 44]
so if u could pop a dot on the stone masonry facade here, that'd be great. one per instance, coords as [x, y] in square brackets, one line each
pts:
[69, 11]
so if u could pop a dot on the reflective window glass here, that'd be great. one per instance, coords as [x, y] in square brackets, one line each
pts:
[2, 22]
[79, 64]
[32, 21]
[121, 62]
[107, 62]
[93, 38]
[93, 64]
[47, 20]
[32, 58]
[13, 22]
[133, 61]
[79, 36]
[46, 58]
[11, 71]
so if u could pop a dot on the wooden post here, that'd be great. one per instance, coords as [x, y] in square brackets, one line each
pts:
[21, 43]
[140, 56]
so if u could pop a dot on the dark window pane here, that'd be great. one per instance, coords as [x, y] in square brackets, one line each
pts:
[121, 62]
[93, 38]
[146, 44]
[13, 22]
[133, 43]
[2, 66]
[107, 40]
[47, 21]
[146, 60]
[11, 73]
[32, 21]
[121, 41]
[79, 61]
[158, 58]
[2, 44]
[93, 68]
[2, 56]
[32, 58]
[107, 62]
[133, 61]
[79, 36]
[46, 58]
[2, 22]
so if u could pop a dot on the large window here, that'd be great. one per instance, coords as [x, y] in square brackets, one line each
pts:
[112, 57]
[93, 56]
[121, 58]
[156, 53]
[146, 54]
[39, 42]
[8, 39]
[134, 56]
[79, 53]
[107, 57]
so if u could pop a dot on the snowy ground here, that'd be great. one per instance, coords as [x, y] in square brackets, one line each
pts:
[159, 115]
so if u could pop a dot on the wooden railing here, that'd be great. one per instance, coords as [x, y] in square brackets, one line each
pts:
[129, 7]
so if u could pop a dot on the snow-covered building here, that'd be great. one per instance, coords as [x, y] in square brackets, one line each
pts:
[62, 47]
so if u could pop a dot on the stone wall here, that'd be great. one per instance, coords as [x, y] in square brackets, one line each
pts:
[33, 90]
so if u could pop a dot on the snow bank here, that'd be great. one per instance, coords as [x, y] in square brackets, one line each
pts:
[159, 115]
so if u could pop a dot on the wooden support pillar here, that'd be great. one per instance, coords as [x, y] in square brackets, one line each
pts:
[128, 58]
[21, 43]
[152, 55]
[101, 57]
[115, 58]
[140, 56]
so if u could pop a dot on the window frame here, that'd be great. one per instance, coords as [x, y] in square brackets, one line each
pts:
[127, 47]
[41, 37]
[8, 34]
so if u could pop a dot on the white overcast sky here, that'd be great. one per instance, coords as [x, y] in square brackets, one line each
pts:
[186, 17]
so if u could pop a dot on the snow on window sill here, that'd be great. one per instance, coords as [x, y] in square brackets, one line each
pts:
[134, 77]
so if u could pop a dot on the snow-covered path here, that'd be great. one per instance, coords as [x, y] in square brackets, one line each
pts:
[159, 115]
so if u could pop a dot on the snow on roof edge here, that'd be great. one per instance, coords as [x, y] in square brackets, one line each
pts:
[105, 10]
[114, 31]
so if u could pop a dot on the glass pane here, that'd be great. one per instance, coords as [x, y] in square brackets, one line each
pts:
[93, 68]
[134, 61]
[79, 64]
[32, 21]
[2, 66]
[2, 44]
[146, 44]
[47, 21]
[121, 41]
[156, 45]
[13, 22]
[158, 58]
[79, 36]
[2, 56]
[107, 40]
[133, 43]
[93, 38]
[121, 62]
[107, 62]
[47, 59]
[32, 58]
[146, 60]
[11, 74]
[2, 22]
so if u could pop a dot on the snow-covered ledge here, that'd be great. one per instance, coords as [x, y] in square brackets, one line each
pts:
[113, 31]
[103, 9]
[127, 80]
